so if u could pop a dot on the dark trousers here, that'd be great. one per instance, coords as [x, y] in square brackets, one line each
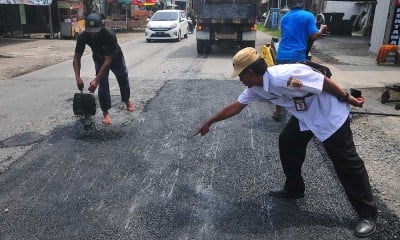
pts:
[120, 71]
[341, 150]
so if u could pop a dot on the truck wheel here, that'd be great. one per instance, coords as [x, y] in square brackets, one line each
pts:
[245, 44]
[207, 47]
[200, 46]
[252, 44]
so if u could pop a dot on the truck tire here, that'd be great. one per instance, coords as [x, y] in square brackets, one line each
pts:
[252, 44]
[207, 47]
[200, 46]
[245, 44]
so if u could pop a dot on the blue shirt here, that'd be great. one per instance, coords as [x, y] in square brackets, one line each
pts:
[296, 26]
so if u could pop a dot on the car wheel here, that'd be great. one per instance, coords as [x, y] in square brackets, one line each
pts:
[200, 46]
[187, 32]
[148, 40]
[179, 37]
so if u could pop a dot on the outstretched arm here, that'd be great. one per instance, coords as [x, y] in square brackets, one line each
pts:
[331, 87]
[226, 112]
[77, 69]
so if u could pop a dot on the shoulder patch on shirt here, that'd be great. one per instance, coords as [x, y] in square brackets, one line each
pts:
[294, 83]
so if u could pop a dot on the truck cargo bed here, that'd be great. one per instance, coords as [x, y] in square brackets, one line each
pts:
[226, 12]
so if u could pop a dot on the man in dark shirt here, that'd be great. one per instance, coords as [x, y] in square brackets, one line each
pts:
[107, 54]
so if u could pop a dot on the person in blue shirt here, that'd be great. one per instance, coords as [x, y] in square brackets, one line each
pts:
[298, 27]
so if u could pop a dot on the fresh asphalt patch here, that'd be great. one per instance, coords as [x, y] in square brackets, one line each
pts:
[22, 139]
[150, 178]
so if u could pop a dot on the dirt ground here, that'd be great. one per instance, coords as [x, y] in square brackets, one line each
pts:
[21, 56]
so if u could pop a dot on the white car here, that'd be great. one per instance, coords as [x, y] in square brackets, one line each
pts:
[167, 24]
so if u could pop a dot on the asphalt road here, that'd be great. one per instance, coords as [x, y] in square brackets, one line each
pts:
[146, 176]
[151, 179]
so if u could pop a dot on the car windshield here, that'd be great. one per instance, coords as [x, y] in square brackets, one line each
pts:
[164, 16]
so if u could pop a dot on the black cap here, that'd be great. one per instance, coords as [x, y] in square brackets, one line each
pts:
[93, 23]
[295, 3]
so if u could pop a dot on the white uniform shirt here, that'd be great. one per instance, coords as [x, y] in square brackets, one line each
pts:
[324, 115]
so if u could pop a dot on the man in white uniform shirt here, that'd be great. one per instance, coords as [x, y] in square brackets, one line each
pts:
[320, 108]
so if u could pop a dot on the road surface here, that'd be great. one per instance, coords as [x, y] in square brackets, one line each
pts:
[146, 176]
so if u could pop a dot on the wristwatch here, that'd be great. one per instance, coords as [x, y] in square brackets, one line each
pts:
[345, 98]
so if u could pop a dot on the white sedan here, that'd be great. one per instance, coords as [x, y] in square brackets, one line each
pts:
[167, 25]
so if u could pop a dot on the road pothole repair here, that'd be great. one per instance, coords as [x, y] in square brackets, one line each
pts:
[22, 139]
[100, 135]
[87, 131]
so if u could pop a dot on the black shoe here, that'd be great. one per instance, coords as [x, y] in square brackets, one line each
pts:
[282, 193]
[365, 227]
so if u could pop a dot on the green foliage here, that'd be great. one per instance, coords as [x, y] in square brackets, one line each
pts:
[270, 31]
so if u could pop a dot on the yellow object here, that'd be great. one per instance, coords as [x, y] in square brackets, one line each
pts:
[77, 27]
[266, 54]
